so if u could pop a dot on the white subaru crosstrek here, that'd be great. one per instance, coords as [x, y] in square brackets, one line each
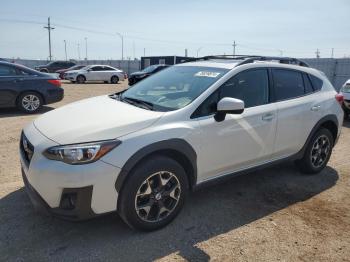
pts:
[140, 152]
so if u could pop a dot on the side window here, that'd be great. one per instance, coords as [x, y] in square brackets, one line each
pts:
[288, 84]
[7, 70]
[251, 86]
[307, 84]
[97, 68]
[109, 68]
[316, 82]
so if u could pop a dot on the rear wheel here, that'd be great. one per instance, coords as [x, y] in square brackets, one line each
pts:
[317, 152]
[114, 80]
[154, 194]
[30, 102]
[81, 79]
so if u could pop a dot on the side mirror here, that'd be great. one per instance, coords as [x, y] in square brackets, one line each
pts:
[88, 70]
[228, 105]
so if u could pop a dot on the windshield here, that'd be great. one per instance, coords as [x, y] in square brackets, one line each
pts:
[150, 69]
[174, 87]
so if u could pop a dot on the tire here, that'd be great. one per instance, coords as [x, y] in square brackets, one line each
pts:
[317, 153]
[30, 102]
[143, 187]
[80, 79]
[114, 80]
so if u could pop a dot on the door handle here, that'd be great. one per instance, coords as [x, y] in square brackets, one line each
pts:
[268, 117]
[315, 108]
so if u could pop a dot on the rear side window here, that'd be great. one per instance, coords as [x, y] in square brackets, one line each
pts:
[307, 84]
[7, 70]
[316, 82]
[288, 84]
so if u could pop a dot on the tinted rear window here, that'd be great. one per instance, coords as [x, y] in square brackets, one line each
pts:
[316, 82]
[288, 84]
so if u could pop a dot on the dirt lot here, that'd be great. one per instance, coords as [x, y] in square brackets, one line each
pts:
[273, 215]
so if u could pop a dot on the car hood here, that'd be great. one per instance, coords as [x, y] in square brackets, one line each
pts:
[94, 119]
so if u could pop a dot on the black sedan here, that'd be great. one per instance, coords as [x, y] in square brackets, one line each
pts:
[138, 76]
[27, 89]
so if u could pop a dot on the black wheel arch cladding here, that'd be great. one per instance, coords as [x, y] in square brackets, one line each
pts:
[178, 149]
[329, 122]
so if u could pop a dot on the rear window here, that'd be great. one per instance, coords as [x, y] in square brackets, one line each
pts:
[316, 82]
[288, 84]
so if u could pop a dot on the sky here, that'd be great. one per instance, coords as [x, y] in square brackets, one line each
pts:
[295, 28]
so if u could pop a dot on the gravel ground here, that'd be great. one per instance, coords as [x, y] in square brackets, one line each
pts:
[276, 214]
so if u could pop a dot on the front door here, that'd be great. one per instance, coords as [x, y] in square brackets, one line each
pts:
[240, 141]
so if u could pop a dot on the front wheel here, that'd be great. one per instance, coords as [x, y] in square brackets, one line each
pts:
[154, 193]
[317, 152]
[30, 102]
[80, 79]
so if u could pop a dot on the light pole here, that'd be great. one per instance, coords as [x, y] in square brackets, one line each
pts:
[199, 49]
[86, 57]
[79, 51]
[49, 28]
[65, 48]
[122, 38]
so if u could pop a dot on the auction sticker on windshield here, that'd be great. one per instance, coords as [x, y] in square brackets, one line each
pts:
[207, 74]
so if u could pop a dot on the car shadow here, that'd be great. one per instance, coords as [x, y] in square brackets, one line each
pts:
[209, 212]
[12, 112]
[346, 123]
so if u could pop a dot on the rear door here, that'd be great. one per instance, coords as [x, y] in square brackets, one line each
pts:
[297, 110]
[94, 74]
[108, 73]
[9, 85]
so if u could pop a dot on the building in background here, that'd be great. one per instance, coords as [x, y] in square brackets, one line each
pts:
[163, 60]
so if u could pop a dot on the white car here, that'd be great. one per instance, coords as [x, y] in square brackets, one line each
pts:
[345, 92]
[95, 73]
[140, 152]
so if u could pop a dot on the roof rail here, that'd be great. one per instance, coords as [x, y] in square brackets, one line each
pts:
[252, 58]
[228, 57]
[282, 60]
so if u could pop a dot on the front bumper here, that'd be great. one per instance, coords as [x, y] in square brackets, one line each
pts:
[75, 203]
[73, 192]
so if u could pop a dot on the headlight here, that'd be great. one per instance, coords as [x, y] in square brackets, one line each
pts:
[81, 153]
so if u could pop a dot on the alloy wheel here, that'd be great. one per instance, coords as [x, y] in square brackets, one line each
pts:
[30, 102]
[320, 151]
[157, 196]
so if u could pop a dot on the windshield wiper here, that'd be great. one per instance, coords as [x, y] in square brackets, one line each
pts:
[135, 101]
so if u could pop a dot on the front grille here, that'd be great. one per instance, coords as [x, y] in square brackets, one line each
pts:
[27, 149]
